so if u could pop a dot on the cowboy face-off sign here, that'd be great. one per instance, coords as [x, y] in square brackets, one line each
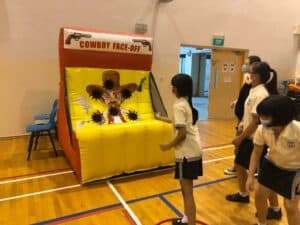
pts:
[92, 41]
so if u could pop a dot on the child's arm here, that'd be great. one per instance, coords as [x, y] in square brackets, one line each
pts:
[255, 158]
[180, 136]
[162, 118]
[248, 131]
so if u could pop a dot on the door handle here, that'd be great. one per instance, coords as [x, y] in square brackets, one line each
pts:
[216, 75]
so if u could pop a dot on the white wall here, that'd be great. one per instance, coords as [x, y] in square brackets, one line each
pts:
[29, 31]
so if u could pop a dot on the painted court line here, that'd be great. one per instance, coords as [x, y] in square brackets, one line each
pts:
[218, 159]
[125, 205]
[45, 174]
[39, 193]
[78, 185]
[38, 175]
[82, 214]
[35, 177]
[217, 148]
[179, 190]
[33, 174]
[171, 206]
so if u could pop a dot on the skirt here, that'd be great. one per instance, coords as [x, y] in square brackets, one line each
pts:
[244, 152]
[279, 180]
[188, 168]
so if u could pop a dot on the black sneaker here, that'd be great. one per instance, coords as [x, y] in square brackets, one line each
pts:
[178, 222]
[238, 198]
[274, 215]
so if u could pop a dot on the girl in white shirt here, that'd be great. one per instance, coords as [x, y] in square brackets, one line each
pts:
[187, 145]
[280, 168]
[264, 82]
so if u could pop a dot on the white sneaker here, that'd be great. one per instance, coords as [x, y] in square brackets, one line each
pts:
[230, 171]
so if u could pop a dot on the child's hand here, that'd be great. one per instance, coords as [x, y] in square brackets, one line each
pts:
[250, 184]
[165, 147]
[240, 129]
[232, 104]
[237, 141]
[157, 115]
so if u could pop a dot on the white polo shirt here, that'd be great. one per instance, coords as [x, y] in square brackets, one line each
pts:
[284, 151]
[256, 95]
[190, 147]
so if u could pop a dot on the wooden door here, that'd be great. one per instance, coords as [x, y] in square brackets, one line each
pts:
[225, 82]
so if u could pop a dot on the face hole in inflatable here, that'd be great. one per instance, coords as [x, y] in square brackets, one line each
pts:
[126, 93]
[97, 94]
[108, 84]
[114, 111]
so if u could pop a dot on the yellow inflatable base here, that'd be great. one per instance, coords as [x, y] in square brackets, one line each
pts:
[115, 149]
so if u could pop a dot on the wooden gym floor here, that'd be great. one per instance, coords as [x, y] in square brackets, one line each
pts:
[44, 191]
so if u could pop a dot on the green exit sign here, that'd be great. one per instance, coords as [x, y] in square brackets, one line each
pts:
[218, 41]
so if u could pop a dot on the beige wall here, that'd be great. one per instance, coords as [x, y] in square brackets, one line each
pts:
[29, 31]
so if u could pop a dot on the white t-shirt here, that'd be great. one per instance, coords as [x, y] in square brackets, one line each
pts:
[190, 147]
[256, 95]
[284, 151]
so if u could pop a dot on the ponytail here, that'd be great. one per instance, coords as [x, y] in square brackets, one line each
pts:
[268, 76]
[194, 111]
[271, 84]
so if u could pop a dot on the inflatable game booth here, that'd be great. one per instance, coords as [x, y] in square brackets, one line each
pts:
[107, 101]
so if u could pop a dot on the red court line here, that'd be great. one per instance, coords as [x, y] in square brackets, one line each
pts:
[34, 174]
[84, 215]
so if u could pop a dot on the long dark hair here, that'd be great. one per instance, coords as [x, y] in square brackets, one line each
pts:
[264, 71]
[184, 85]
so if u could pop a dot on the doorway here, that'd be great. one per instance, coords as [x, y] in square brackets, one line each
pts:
[217, 78]
[197, 63]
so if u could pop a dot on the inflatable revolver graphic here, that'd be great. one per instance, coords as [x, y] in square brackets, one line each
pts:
[144, 42]
[76, 36]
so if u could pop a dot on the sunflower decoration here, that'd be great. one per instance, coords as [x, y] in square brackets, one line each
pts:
[112, 94]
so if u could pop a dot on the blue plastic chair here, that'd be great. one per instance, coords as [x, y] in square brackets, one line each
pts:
[37, 130]
[45, 116]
